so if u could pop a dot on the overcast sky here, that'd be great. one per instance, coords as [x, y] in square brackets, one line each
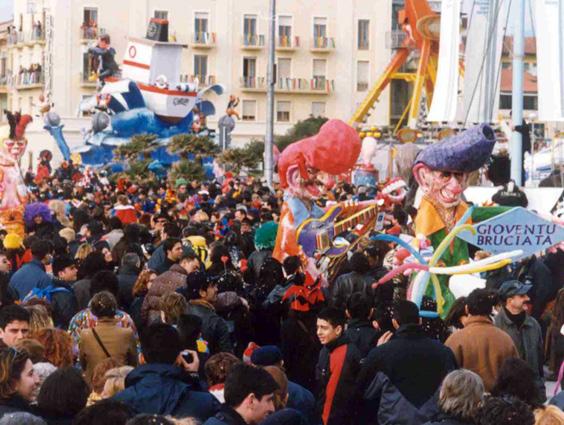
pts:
[5, 10]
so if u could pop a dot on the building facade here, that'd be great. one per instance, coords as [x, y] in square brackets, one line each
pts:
[328, 54]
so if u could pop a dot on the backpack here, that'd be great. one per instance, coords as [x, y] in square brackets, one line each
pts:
[44, 294]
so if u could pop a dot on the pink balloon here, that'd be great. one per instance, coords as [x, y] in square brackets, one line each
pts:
[398, 270]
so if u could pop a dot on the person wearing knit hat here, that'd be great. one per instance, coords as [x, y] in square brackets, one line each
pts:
[268, 355]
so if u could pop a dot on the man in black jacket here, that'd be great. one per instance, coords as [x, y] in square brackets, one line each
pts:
[400, 379]
[337, 370]
[202, 294]
[63, 300]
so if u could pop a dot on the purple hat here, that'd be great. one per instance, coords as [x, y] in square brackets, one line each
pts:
[461, 153]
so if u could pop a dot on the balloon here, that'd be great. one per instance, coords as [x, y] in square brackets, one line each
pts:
[398, 270]
[467, 268]
[447, 240]
[402, 243]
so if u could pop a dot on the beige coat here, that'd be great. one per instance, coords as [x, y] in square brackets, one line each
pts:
[482, 348]
[119, 342]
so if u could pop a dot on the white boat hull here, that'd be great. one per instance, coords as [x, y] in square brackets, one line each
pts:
[169, 105]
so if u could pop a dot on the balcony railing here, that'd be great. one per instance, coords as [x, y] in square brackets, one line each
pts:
[303, 85]
[316, 85]
[287, 43]
[3, 80]
[395, 39]
[19, 38]
[205, 40]
[253, 41]
[198, 81]
[323, 44]
[258, 83]
[29, 79]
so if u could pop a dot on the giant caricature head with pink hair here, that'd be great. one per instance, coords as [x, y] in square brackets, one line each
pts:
[308, 166]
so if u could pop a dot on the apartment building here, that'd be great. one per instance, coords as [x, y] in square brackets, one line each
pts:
[328, 54]
[5, 71]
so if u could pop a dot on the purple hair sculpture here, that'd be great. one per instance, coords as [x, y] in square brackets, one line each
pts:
[34, 209]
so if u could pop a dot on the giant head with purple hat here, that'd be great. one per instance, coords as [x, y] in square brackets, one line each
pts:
[442, 169]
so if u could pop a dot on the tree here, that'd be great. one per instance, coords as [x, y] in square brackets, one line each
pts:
[140, 144]
[302, 129]
[249, 156]
[189, 170]
[191, 144]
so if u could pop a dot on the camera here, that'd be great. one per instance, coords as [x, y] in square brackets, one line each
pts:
[188, 357]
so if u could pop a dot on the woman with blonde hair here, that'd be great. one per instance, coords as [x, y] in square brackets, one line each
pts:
[461, 394]
[82, 252]
[99, 379]
[549, 415]
[59, 211]
[115, 381]
[39, 318]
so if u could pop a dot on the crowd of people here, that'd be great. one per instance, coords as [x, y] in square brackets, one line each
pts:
[162, 304]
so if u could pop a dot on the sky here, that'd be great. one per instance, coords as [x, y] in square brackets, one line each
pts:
[5, 10]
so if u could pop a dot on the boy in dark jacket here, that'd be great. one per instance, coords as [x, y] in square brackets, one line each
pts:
[159, 386]
[249, 397]
[337, 370]
[359, 328]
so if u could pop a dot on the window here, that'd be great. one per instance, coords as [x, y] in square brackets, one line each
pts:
[362, 76]
[284, 68]
[319, 30]
[90, 23]
[201, 67]
[318, 109]
[319, 72]
[249, 110]
[283, 111]
[250, 72]
[250, 26]
[363, 34]
[285, 31]
[505, 101]
[83, 98]
[200, 27]
[87, 67]
[530, 103]
[161, 14]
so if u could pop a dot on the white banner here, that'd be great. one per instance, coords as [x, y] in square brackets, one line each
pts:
[549, 25]
[486, 26]
[445, 95]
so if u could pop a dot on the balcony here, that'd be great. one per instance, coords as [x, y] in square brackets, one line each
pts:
[3, 83]
[317, 85]
[322, 45]
[287, 44]
[36, 36]
[88, 79]
[252, 42]
[196, 82]
[253, 84]
[203, 40]
[395, 39]
[29, 80]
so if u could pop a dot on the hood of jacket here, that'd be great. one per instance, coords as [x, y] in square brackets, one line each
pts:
[154, 387]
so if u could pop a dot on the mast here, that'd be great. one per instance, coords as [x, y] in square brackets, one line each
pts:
[269, 139]
[516, 145]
